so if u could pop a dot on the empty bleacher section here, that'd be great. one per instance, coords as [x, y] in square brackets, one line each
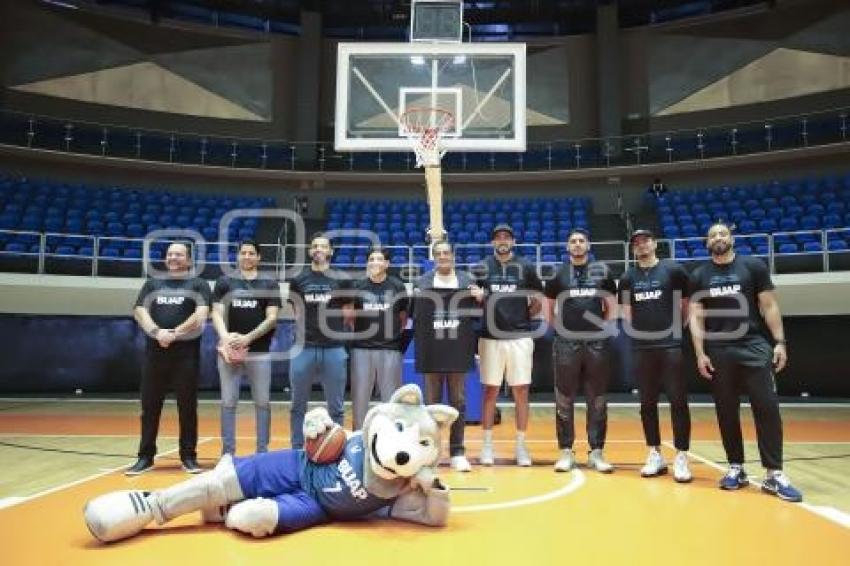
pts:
[792, 223]
[797, 226]
[61, 228]
[401, 225]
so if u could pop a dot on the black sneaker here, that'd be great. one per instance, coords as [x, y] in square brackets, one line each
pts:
[190, 466]
[141, 466]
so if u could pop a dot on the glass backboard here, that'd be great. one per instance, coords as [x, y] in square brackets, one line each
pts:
[482, 85]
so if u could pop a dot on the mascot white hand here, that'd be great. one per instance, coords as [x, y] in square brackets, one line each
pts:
[317, 421]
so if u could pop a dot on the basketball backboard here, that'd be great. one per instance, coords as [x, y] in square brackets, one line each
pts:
[482, 85]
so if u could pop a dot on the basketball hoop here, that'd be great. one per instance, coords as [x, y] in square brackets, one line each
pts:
[425, 126]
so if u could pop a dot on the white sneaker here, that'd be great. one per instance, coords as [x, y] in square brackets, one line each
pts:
[596, 460]
[523, 458]
[681, 471]
[655, 464]
[566, 462]
[487, 458]
[460, 464]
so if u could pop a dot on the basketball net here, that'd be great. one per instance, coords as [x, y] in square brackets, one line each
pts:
[425, 127]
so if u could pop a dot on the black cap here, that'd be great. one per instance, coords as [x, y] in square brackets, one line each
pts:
[641, 232]
[579, 230]
[502, 228]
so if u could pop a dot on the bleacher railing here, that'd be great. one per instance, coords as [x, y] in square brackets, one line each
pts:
[110, 140]
[42, 253]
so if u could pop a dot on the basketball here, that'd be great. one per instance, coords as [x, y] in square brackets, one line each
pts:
[326, 447]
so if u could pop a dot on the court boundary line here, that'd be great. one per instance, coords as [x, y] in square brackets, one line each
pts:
[831, 514]
[576, 482]
[91, 477]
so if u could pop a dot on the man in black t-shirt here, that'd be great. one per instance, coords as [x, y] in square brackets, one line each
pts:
[380, 315]
[582, 307]
[732, 304]
[511, 295]
[245, 309]
[444, 307]
[317, 294]
[653, 295]
[171, 311]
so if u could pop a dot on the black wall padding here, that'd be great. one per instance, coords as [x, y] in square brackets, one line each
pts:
[819, 351]
[58, 354]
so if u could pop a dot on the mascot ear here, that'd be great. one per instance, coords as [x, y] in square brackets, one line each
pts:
[409, 394]
[443, 414]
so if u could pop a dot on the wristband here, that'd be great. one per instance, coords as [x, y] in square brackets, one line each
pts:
[782, 342]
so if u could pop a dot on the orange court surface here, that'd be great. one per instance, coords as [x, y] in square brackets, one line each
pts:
[57, 454]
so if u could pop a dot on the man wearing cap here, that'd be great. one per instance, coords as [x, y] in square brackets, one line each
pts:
[512, 295]
[582, 308]
[653, 295]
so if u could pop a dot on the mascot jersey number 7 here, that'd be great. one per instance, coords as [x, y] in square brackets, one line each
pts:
[387, 469]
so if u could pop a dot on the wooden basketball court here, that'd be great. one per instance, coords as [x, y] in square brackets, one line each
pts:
[58, 454]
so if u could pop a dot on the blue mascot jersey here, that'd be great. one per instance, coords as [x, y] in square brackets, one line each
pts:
[308, 493]
[338, 487]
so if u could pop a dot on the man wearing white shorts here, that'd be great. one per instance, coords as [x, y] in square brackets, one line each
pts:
[510, 285]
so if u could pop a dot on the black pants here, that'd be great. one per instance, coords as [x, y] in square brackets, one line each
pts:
[580, 363]
[456, 385]
[177, 367]
[657, 368]
[747, 368]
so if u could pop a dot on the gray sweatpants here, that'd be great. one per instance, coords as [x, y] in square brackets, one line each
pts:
[368, 366]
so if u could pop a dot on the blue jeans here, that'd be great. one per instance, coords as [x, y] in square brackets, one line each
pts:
[259, 372]
[327, 364]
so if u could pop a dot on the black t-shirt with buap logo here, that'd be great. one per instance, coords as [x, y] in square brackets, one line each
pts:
[733, 287]
[330, 290]
[655, 295]
[580, 290]
[171, 301]
[506, 288]
[443, 325]
[378, 311]
[245, 302]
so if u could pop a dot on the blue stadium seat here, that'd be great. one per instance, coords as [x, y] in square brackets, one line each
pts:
[832, 221]
[16, 247]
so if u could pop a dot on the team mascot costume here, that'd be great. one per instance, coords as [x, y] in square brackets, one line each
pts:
[388, 469]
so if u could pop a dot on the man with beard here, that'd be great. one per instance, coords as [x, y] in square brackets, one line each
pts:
[506, 347]
[380, 316]
[582, 296]
[171, 311]
[245, 309]
[732, 301]
[312, 293]
[653, 295]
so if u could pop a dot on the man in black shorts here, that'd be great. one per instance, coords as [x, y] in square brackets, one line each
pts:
[171, 311]
[732, 304]
[653, 297]
[583, 298]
